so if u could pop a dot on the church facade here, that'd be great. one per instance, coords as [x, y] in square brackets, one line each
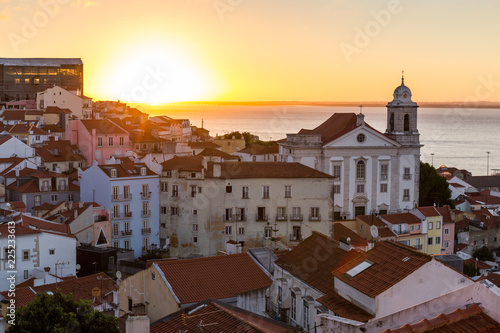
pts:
[375, 172]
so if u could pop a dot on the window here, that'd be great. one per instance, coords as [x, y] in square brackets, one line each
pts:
[265, 192]
[229, 189]
[195, 239]
[406, 194]
[384, 171]
[116, 211]
[305, 324]
[53, 197]
[110, 140]
[336, 172]
[293, 306]
[99, 141]
[228, 216]
[126, 227]
[446, 231]
[116, 229]
[175, 190]
[407, 123]
[130, 304]
[143, 171]
[296, 233]
[163, 210]
[244, 192]
[193, 191]
[116, 244]
[122, 141]
[361, 138]
[314, 213]
[418, 226]
[164, 187]
[113, 173]
[430, 226]
[412, 227]
[360, 188]
[38, 200]
[37, 137]
[438, 240]
[407, 174]
[26, 255]
[241, 231]
[229, 230]
[195, 211]
[446, 244]
[126, 209]
[25, 273]
[174, 210]
[281, 213]
[383, 188]
[268, 232]
[438, 225]
[115, 192]
[429, 241]
[168, 173]
[288, 191]
[336, 189]
[52, 252]
[126, 243]
[195, 227]
[360, 170]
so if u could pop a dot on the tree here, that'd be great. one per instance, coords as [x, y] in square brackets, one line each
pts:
[484, 254]
[433, 188]
[60, 313]
[470, 269]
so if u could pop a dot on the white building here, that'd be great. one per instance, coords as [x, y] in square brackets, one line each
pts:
[375, 172]
[204, 205]
[80, 106]
[130, 191]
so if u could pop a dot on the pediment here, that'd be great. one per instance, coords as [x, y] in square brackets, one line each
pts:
[371, 138]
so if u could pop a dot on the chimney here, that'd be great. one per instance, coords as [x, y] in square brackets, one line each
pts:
[360, 119]
[76, 213]
[17, 172]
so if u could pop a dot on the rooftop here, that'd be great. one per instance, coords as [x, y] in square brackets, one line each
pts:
[184, 163]
[126, 170]
[401, 218]
[103, 126]
[238, 170]
[40, 62]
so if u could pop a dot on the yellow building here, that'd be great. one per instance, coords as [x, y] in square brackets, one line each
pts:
[434, 224]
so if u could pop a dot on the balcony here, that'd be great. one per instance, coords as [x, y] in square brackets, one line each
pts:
[121, 197]
[314, 217]
[276, 311]
[240, 217]
[127, 233]
[145, 195]
[100, 218]
[383, 177]
[418, 247]
[407, 176]
[281, 217]
[62, 187]
[296, 217]
[145, 231]
[45, 188]
[296, 238]
[228, 217]
[401, 232]
[122, 216]
[261, 217]
[145, 213]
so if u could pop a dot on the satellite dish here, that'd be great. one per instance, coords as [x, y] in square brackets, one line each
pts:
[118, 274]
[374, 231]
[78, 267]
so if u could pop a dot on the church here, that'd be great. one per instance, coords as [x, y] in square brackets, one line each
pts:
[375, 173]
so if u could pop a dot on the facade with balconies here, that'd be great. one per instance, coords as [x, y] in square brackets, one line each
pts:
[130, 191]
[205, 204]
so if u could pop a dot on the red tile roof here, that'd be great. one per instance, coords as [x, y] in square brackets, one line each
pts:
[19, 230]
[184, 163]
[479, 264]
[56, 110]
[81, 288]
[203, 144]
[343, 308]
[313, 260]
[492, 277]
[127, 169]
[392, 262]
[401, 218]
[341, 231]
[239, 170]
[217, 153]
[256, 149]
[44, 225]
[218, 317]
[334, 127]
[195, 280]
[372, 220]
[104, 126]
[460, 247]
[470, 320]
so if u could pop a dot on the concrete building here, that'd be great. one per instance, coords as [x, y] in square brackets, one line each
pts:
[23, 78]
[130, 192]
[375, 172]
[206, 204]
[80, 106]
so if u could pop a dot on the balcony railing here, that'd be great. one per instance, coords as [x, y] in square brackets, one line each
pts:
[145, 231]
[145, 213]
[127, 233]
[227, 217]
[281, 217]
[276, 311]
[296, 217]
[418, 247]
[62, 187]
[122, 216]
[121, 197]
[240, 217]
[407, 176]
[383, 177]
[145, 195]
[295, 238]
[401, 232]
[100, 218]
[261, 217]
[314, 217]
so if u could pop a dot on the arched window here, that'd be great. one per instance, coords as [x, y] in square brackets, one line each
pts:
[18, 97]
[391, 122]
[27, 96]
[407, 123]
[360, 170]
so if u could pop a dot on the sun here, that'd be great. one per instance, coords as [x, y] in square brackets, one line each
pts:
[154, 74]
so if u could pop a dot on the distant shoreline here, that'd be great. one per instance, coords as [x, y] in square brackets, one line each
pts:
[478, 105]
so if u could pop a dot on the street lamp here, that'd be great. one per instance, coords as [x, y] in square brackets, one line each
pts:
[488, 164]
[432, 155]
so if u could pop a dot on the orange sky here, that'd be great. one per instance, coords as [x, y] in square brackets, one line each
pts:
[325, 50]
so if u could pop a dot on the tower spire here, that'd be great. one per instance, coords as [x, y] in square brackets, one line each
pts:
[402, 77]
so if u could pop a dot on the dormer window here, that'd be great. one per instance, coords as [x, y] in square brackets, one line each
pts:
[143, 171]
[113, 173]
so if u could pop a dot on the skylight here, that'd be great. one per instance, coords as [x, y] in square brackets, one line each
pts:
[359, 268]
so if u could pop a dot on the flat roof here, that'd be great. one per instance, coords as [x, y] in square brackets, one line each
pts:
[41, 62]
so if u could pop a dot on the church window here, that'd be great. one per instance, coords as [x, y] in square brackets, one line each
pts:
[361, 138]
[407, 123]
[360, 170]
[391, 122]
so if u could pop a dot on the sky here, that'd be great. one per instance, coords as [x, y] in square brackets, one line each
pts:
[263, 50]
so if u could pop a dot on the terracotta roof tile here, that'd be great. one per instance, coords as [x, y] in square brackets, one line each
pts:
[470, 320]
[392, 262]
[335, 126]
[203, 144]
[221, 317]
[492, 277]
[479, 264]
[343, 308]
[484, 181]
[217, 153]
[313, 260]
[401, 218]
[184, 163]
[341, 231]
[195, 280]
[239, 170]
[44, 225]
[256, 149]
[19, 230]
[104, 126]
[126, 169]
[372, 220]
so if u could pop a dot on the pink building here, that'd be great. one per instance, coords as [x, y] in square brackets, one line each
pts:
[448, 230]
[98, 139]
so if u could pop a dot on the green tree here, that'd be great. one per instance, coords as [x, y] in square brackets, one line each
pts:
[59, 313]
[484, 254]
[470, 269]
[433, 188]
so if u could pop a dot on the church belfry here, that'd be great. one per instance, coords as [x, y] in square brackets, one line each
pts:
[402, 117]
